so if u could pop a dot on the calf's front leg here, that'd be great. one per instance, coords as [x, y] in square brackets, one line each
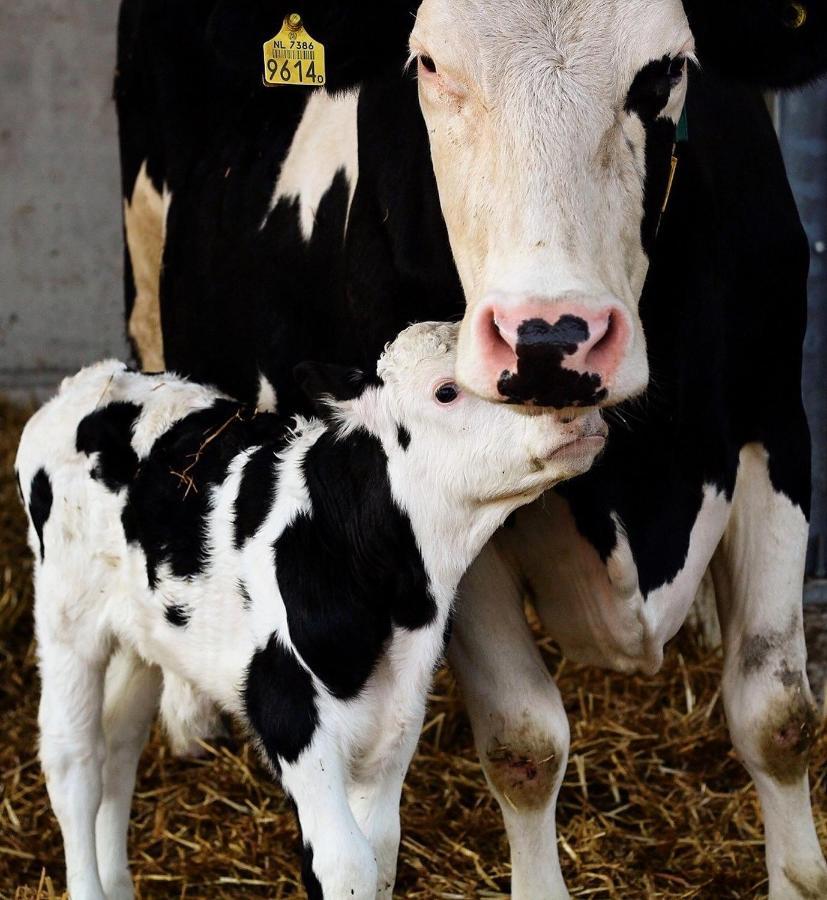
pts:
[520, 726]
[375, 800]
[339, 861]
[759, 571]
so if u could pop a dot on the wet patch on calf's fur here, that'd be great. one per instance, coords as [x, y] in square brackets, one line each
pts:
[523, 769]
[787, 737]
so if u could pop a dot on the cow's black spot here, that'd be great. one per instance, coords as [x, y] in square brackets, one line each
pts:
[311, 881]
[40, 505]
[403, 436]
[177, 614]
[540, 377]
[651, 89]
[350, 570]
[169, 499]
[19, 487]
[280, 702]
[108, 432]
[256, 493]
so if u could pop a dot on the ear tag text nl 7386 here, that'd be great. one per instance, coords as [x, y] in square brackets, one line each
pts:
[293, 57]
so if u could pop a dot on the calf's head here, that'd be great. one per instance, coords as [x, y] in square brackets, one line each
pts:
[445, 445]
[551, 125]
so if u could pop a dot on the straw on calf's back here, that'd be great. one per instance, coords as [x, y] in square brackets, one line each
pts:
[301, 577]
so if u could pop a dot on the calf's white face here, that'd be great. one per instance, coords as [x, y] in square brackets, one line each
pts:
[444, 442]
[539, 114]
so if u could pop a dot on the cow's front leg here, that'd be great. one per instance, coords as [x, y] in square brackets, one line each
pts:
[520, 726]
[339, 861]
[759, 572]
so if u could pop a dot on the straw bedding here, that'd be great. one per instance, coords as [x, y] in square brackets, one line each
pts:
[654, 803]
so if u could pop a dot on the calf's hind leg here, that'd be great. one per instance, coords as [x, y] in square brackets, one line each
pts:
[130, 703]
[520, 726]
[72, 752]
[759, 572]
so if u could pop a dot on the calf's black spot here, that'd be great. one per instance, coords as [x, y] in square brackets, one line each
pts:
[280, 702]
[177, 614]
[40, 505]
[108, 432]
[540, 377]
[311, 882]
[255, 494]
[169, 499]
[351, 570]
[403, 436]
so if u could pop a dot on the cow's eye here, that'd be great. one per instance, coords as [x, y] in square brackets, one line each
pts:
[676, 70]
[446, 392]
[427, 64]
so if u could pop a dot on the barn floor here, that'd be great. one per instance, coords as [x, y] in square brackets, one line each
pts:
[654, 804]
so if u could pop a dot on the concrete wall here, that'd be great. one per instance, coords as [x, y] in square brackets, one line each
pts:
[60, 207]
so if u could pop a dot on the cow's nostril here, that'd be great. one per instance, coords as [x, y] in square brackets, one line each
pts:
[602, 353]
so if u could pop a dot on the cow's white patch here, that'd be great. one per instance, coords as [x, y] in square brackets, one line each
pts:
[325, 143]
[267, 400]
[145, 216]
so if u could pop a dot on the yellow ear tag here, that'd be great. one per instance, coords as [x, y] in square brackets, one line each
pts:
[293, 57]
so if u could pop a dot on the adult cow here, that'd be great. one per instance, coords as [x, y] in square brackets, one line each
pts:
[520, 177]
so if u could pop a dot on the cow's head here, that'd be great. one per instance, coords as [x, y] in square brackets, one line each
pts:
[551, 125]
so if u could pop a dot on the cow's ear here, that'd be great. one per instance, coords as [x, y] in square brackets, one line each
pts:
[767, 43]
[323, 380]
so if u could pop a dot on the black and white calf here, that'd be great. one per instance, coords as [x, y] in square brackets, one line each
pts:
[299, 577]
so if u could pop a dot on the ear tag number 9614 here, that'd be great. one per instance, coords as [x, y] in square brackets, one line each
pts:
[293, 57]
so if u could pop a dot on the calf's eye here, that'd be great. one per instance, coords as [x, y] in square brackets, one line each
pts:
[427, 64]
[446, 392]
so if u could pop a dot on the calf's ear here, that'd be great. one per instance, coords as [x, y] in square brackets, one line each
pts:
[766, 43]
[321, 380]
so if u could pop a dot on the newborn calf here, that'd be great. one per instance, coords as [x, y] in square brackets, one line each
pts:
[300, 577]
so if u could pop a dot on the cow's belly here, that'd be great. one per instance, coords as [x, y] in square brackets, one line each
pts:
[596, 610]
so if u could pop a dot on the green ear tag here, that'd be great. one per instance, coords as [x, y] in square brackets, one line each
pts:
[682, 135]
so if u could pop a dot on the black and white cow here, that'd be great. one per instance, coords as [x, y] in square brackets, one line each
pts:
[517, 179]
[300, 576]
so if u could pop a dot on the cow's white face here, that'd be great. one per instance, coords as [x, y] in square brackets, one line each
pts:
[539, 113]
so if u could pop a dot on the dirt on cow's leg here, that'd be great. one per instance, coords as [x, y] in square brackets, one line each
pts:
[772, 718]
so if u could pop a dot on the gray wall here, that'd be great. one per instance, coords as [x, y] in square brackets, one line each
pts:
[802, 125]
[60, 221]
